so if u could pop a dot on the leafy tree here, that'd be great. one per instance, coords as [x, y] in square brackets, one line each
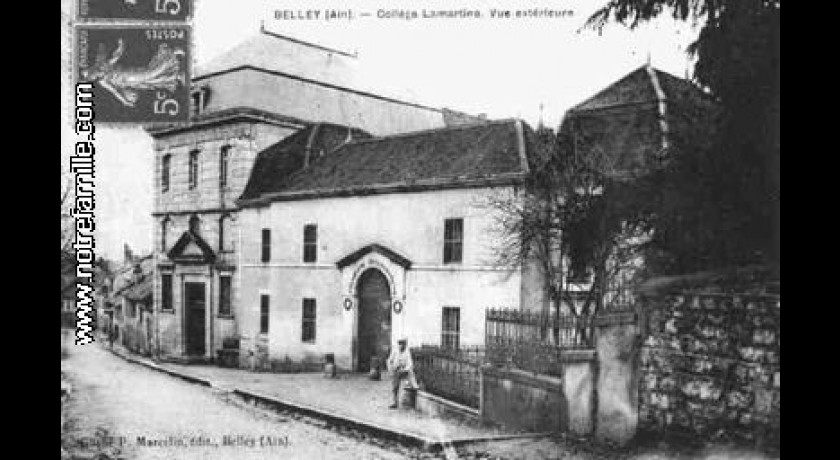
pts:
[720, 203]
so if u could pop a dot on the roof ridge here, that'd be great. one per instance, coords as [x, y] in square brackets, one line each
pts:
[265, 31]
[421, 132]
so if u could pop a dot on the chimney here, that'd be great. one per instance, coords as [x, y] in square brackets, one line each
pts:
[137, 273]
[128, 257]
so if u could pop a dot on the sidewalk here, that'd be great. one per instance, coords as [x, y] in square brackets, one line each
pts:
[351, 399]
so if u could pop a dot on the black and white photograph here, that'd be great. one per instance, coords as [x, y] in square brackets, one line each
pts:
[421, 229]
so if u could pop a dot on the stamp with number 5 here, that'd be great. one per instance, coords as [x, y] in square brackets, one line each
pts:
[140, 74]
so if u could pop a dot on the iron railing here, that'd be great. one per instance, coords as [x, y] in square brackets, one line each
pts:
[454, 374]
[533, 341]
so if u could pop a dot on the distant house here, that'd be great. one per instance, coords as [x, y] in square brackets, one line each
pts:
[131, 298]
[377, 239]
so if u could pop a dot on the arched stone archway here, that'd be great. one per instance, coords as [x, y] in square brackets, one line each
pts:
[374, 322]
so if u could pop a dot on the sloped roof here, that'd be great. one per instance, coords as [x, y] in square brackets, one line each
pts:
[640, 86]
[127, 285]
[634, 121]
[278, 53]
[453, 155]
[140, 291]
[278, 162]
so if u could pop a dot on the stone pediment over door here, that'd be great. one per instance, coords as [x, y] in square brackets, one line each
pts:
[374, 256]
[191, 249]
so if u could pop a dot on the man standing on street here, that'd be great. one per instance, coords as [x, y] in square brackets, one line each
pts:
[401, 367]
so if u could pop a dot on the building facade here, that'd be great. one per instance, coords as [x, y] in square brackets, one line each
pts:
[380, 238]
[243, 102]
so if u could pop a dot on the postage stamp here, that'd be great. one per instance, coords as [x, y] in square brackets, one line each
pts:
[140, 74]
[143, 10]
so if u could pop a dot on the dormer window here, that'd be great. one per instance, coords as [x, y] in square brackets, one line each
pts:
[198, 100]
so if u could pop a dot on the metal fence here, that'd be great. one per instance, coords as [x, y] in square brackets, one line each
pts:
[534, 341]
[453, 374]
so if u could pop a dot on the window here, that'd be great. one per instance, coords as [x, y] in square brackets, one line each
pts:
[453, 240]
[264, 314]
[225, 234]
[224, 162]
[224, 295]
[164, 232]
[308, 326]
[198, 99]
[450, 328]
[164, 173]
[195, 225]
[310, 243]
[193, 169]
[166, 292]
[266, 244]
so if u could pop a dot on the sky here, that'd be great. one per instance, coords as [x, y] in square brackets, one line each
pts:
[532, 69]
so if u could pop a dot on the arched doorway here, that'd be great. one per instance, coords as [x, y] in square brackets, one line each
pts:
[374, 330]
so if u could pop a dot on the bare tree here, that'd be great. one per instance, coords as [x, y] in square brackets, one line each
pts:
[575, 219]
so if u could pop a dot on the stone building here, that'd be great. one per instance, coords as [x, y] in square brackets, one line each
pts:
[377, 238]
[244, 101]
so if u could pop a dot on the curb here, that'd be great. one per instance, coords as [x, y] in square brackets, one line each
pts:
[392, 434]
[188, 378]
[343, 420]
[502, 437]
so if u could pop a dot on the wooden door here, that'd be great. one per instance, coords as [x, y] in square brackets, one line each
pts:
[374, 333]
[195, 310]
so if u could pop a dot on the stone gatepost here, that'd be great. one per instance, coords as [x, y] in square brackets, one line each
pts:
[616, 342]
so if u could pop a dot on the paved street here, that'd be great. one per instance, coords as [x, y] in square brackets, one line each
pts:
[115, 404]
[120, 410]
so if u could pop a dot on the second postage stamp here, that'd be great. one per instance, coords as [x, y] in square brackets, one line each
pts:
[140, 74]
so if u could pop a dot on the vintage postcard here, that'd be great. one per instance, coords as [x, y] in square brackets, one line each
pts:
[135, 10]
[385, 229]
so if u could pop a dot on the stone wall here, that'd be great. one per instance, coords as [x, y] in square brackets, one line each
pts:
[522, 400]
[617, 337]
[542, 403]
[710, 364]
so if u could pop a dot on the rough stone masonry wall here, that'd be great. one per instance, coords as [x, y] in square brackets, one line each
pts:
[710, 366]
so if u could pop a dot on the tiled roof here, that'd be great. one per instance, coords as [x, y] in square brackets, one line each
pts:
[454, 155]
[277, 163]
[639, 87]
[625, 122]
[140, 291]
